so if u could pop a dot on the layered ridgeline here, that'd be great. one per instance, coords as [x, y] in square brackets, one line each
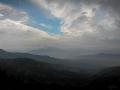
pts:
[23, 70]
[73, 65]
[34, 71]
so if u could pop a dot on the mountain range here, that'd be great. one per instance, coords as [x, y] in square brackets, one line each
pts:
[27, 71]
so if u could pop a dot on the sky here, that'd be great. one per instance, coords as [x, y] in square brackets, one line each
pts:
[60, 27]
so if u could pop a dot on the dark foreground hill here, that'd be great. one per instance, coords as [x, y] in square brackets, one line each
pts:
[27, 72]
[107, 79]
[30, 74]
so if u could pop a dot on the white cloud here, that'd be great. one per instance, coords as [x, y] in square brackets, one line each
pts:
[45, 25]
[1, 15]
[80, 25]
[88, 24]
[19, 37]
[11, 13]
[76, 17]
[16, 35]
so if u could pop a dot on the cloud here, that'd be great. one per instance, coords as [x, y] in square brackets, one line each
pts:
[90, 24]
[9, 12]
[1, 15]
[76, 16]
[16, 35]
[87, 25]
[45, 25]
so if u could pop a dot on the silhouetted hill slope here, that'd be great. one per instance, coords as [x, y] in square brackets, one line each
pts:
[107, 79]
[23, 71]
[11, 55]
[68, 64]
[27, 73]
[36, 72]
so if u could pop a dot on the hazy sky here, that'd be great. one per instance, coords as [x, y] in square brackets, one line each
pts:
[78, 26]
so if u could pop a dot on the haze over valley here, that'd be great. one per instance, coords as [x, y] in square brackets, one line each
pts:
[59, 44]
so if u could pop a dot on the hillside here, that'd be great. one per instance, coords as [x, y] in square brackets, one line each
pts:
[26, 72]
[108, 79]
